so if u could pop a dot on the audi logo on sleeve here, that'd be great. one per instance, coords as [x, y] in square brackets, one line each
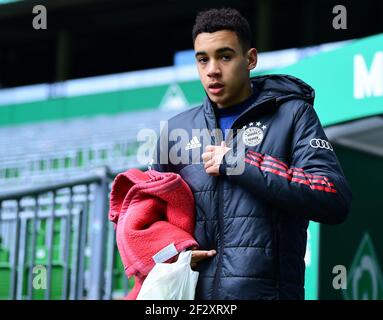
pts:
[322, 144]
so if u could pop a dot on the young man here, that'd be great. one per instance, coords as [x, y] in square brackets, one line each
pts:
[255, 190]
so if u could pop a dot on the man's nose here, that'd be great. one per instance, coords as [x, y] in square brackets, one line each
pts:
[213, 69]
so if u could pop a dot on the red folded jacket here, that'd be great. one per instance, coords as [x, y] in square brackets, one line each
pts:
[151, 210]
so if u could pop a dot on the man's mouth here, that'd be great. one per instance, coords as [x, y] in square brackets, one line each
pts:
[215, 87]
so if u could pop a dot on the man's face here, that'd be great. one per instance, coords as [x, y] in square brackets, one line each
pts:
[223, 67]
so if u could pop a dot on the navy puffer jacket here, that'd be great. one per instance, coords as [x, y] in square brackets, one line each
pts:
[257, 218]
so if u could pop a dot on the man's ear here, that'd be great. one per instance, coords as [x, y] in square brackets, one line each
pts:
[252, 58]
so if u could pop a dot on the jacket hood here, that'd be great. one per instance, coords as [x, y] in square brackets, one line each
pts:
[283, 88]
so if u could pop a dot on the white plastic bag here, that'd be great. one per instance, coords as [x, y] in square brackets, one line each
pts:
[170, 281]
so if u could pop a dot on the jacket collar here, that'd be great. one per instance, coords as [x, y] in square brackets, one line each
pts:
[263, 105]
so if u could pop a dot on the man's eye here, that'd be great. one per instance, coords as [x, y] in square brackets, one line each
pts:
[202, 60]
[226, 58]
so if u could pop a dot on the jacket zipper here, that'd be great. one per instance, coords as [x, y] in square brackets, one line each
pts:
[221, 221]
[220, 184]
[220, 227]
[276, 251]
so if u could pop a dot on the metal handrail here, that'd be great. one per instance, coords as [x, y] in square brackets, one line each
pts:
[101, 235]
[94, 177]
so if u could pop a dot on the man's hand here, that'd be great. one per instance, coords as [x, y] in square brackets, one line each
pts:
[213, 158]
[198, 255]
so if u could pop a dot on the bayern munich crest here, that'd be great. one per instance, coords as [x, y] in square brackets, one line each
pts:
[253, 134]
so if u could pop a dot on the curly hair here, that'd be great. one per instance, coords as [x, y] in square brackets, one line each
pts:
[213, 20]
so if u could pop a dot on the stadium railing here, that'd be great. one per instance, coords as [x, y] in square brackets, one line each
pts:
[56, 242]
